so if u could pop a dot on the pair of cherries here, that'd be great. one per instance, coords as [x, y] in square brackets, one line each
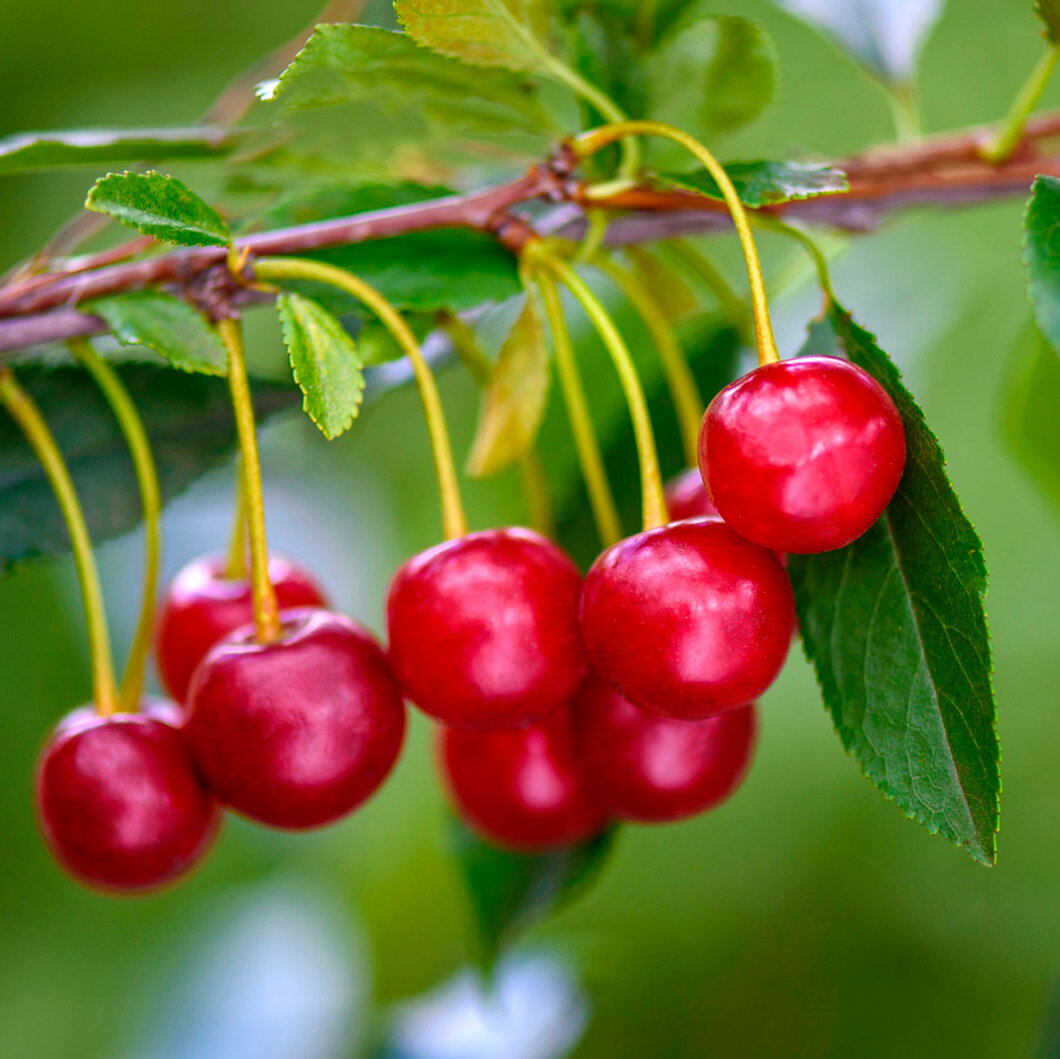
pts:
[563, 704]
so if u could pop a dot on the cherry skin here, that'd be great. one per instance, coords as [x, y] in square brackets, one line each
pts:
[802, 455]
[688, 619]
[520, 788]
[484, 629]
[297, 732]
[119, 802]
[203, 605]
[687, 497]
[650, 769]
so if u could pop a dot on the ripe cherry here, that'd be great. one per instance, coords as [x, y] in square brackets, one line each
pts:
[203, 605]
[299, 731]
[687, 497]
[802, 455]
[484, 629]
[520, 788]
[688, 619]
[640, 766]
[119, 801]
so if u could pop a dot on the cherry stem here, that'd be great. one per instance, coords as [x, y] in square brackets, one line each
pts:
[26, 414]
[1008, 136]
[132, 428]
[588, 143]
[586, 447]
[266, 610]
[454, 521]
[236, 564]
[820, 262]
[684, 391]
[531, 469]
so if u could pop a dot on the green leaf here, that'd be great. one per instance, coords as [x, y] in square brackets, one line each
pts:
[166, 324]
[1032, 425]
[895, 628]
[514, 401]
[351, 64]
[1049, 12]
[188, 420]
[510, 891]
[664, 283]
[158, 205]
[506, 33]
[324, 361]
[765, 183]
[1041, 255]
[32, 151]
[710, 74]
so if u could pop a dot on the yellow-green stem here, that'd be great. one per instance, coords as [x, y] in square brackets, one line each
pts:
[266, 610]
[653, 503]
[26, 414]
[589, 143]
[454, 521]
[1008, 136]
[236, 564]
[905, 109]
[684, 392]
[132, 427]
[590, 461]
[816, 254]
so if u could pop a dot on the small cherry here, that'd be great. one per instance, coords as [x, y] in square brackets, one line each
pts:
[204, 604]
[298, 731]
[688, 619]
[484, 629]
[520, 788]
[687, 497]
[802, 455]
[119, 801]
[647, 768]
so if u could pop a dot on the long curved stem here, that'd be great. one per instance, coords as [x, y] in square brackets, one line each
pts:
[132, 428]
[590, 461]
[26, 414]
[236, 562]
[589, 143]
[454, 520]
[1008, 136]
[266, 610]
[653, 503]
[684, 391]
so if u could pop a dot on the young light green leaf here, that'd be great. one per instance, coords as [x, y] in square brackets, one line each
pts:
[166, 324]
[664, 283]
[895, 628]
[352, 64]
[189, 423]
[1041, 255]
[509, 891]
[710, 74]
[32, 151]
[324, 361]
[1049, 12]
[514, 401]
[510, 33]
[765, 183]
[158, 205]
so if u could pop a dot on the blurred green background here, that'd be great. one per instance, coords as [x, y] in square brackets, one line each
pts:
[804, 918]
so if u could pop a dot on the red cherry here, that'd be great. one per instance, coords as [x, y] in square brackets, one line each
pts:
[484, 630]
[640, 766]
[203, 605]
[119, 801]
[688, 619]
[802, 455]
[687, 497]
[297, 732]
[520, 788]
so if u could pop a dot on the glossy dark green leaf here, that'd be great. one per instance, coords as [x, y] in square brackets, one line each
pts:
[158, 205]
[33, 151]
[188, 419]
[510, 891]
[1041, 255]
[1049, 12]
[765, 183]
[324, 361]
[166, 324]
[895, 628]
[348, 64]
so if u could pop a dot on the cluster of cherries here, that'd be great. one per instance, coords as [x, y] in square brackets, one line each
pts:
[564, 703]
